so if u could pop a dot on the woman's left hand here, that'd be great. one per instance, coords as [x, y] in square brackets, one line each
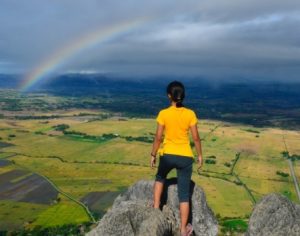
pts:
[153, 161]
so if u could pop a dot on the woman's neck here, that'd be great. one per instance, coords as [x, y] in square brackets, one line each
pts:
[173, 104]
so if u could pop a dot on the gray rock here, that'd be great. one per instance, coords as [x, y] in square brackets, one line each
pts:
[131, 214]
[133, 218]
[274, 215]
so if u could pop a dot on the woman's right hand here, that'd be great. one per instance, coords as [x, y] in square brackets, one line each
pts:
[200, 161]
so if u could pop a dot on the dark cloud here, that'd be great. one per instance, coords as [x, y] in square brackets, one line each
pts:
[211, 39]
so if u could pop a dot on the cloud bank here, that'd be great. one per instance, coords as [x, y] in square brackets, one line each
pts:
[207, 39]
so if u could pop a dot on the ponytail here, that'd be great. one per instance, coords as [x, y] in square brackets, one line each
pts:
[177, 92]
[179, 104]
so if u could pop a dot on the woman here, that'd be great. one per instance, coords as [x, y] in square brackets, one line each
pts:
[176, 121]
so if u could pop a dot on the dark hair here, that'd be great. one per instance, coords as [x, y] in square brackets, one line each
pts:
[176, 91]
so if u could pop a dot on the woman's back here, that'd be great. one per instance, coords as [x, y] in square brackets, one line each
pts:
[177, 121]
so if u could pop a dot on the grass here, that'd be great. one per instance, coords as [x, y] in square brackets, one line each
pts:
[137, 127]
[262, 187]
[4, 155]
[255, 167]
[16, 214]
[76, 150]
[79, 179]
[7, 168]
[64, 212]
[238, 225]
[297, 170]
[85, 166]
[222, 196]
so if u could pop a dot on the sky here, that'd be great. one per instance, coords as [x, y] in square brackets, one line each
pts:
[212, 39]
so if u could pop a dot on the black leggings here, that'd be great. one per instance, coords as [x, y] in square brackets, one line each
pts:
[184, 166]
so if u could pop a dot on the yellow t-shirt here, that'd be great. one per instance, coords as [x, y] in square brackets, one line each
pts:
[177, 121]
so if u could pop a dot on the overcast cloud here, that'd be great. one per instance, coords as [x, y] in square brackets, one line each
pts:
[192, 38]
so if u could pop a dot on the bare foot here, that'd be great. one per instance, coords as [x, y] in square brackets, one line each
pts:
[189, 229]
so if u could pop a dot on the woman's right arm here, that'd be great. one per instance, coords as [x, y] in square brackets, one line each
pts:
[197, 142]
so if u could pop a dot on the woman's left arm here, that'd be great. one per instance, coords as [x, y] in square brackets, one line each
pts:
[156, 143]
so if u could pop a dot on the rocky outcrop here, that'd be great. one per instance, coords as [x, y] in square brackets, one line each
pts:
[132, 215]
[274, 215]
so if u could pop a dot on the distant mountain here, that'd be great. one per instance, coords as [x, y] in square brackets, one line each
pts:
[9, 81]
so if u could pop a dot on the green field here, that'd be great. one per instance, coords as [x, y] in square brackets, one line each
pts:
[79, 165]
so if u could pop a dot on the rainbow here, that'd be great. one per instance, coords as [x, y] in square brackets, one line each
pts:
[63, 55]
